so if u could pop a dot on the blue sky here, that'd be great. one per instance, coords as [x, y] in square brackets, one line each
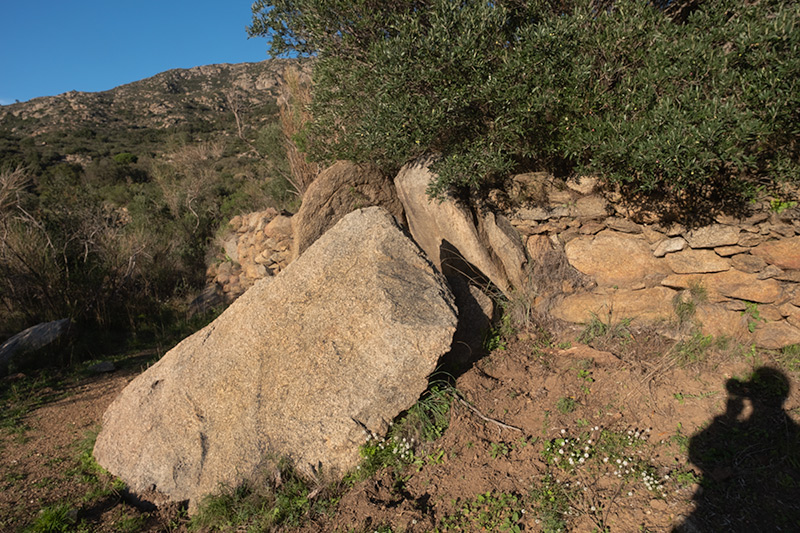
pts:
[50, 47]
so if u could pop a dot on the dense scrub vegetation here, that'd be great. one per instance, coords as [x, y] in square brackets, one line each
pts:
[692, 101]
[110, 224]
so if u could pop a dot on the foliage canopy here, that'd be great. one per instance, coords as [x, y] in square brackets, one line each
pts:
[690, 100]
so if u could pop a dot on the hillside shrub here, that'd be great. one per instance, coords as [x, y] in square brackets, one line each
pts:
[700, 102]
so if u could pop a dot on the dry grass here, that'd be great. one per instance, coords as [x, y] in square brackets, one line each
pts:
[293, 102]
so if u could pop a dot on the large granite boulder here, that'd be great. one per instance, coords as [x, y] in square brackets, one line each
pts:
[341, 340]
[339, 189]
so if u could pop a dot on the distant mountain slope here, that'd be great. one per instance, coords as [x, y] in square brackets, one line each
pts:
[162, 101]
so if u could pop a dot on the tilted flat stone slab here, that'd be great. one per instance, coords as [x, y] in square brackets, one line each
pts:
[346, 335]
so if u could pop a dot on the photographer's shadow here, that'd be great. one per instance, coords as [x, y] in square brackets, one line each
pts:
[750, 461]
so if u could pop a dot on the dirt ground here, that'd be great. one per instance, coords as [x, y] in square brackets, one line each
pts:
[633, 434]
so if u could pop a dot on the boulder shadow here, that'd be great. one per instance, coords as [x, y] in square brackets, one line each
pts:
[749, 457]
[472, 290]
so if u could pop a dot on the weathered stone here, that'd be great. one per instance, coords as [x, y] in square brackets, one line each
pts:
[730, 284]
[583, 184]
[343, 339]
[717, 320]
[750, 239]
[592, 228]
[231, 247]
[591, 207]
[727, 220]
[748, 263]
[697, 261]
[675, 244]
[569, 234]
[560, 197]
[506, 245]
[279, 228]
[614, 259]
[536, 214]
[771, 271]
[444, 228]
[675, 230]
[783, 230]
[769, 312]
[581, 351]
[713, 236]
[784, 253]
[792, 314]
[103, 367]
[744, 286]
[727, 251]
[756, 218]
[31, 339]
[735, 305]
[645, 306]
[776, 335]
[792, 276]
[652, 235]
[338, 190]
[623, 225]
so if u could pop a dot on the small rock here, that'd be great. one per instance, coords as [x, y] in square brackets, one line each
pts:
[792, 276]
[659, 505]
[727, 251]
[581, 351]
[592, 228]
[591, 207]
[784, 253]
[776, 335]
[102, 367]
[771, 271]
[750, 239]
[748, 263]
[623, 224]
[675, 244]
[713, 236]
[583, 184]
[697, 261]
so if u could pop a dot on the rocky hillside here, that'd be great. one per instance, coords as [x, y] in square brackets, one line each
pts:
[161, 101]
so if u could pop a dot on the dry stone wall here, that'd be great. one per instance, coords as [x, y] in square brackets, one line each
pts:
[576, 253]
[741, 275]
[254, 246]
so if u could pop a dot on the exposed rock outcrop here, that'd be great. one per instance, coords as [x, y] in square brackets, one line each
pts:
[446, 230]
[338, 190]
[341, 340]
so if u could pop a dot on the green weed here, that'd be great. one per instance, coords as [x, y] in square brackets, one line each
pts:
[566, 405]
[257, 506]
[489, 511]
[694, 349]
[60, 517]
[597, 329]
[550, 504]
[753, 316]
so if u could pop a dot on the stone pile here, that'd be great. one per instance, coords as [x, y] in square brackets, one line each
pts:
[255, 246]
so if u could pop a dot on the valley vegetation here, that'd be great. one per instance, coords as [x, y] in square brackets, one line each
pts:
[109, 202]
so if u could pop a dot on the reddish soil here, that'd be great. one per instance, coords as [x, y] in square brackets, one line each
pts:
[708, 446]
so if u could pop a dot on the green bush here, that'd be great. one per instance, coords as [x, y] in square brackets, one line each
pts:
[700, 105]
